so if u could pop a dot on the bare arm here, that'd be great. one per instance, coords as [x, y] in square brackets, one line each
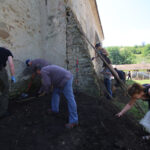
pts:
[126, 108]
[11, 65]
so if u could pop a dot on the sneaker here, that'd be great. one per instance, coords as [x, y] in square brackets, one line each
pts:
[71, 125]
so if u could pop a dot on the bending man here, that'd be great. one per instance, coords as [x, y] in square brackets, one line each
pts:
[61, 80]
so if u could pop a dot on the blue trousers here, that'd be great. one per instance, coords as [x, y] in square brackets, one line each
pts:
[107, 83]
[68, 93]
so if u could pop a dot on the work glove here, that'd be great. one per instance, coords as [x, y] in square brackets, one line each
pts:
[24, 95]
[13, 79]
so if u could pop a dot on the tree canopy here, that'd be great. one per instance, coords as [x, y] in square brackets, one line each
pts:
[129, 55]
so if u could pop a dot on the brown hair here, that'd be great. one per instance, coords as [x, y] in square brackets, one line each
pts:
[135, 89]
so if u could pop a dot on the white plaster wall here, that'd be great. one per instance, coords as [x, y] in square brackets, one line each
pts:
[33, 29]
[84, 13]
[55, 38]
[37, 29]
[20, 22]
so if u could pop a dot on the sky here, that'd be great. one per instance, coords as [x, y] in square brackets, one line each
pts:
[125, 22]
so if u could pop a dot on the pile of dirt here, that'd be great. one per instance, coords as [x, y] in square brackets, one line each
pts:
[30, 128]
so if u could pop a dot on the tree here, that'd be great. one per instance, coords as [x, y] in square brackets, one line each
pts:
[146, 50]
[127, 57]
[114, 55]
[123, 55]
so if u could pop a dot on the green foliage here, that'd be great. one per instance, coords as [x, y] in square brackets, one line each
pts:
[121, 55]
[129, 55]
[146, 50]
[114, 55]
[136, 50]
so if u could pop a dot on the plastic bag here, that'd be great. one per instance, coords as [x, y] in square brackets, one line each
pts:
[145, 122]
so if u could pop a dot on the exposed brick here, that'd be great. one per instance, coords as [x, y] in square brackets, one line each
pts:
[77, 48]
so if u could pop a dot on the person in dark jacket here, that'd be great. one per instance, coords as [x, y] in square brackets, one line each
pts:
[121, 74]
[5, 55]
[61, 79]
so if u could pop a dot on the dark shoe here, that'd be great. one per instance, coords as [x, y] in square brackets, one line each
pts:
[50, 112]
[71, 125]
[109, 97]
[6, 114]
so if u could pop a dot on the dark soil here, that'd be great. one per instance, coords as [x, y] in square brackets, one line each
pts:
[30, 128]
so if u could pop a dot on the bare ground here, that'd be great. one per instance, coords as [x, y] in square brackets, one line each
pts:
[31, 128]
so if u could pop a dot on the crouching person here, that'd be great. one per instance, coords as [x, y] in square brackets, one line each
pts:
[61, 80]
[137, 91]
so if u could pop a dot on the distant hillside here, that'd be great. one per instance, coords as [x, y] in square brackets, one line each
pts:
[129, 55]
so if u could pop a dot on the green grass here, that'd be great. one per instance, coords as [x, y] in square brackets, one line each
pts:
[129, 82]
[134, 111]
[142, 81]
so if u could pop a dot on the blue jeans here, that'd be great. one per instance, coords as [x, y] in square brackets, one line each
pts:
[107, 83]
[68, 93]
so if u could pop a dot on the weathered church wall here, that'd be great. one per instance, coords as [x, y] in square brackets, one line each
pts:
[78, 57]
[83, 16]
[42, 29]
[33, 29]
[87, 15]
[20, 30]
[54, 31]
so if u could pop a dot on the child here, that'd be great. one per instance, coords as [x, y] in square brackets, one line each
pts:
[137, 91]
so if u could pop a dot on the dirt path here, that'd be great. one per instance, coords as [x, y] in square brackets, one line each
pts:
[30, 128]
